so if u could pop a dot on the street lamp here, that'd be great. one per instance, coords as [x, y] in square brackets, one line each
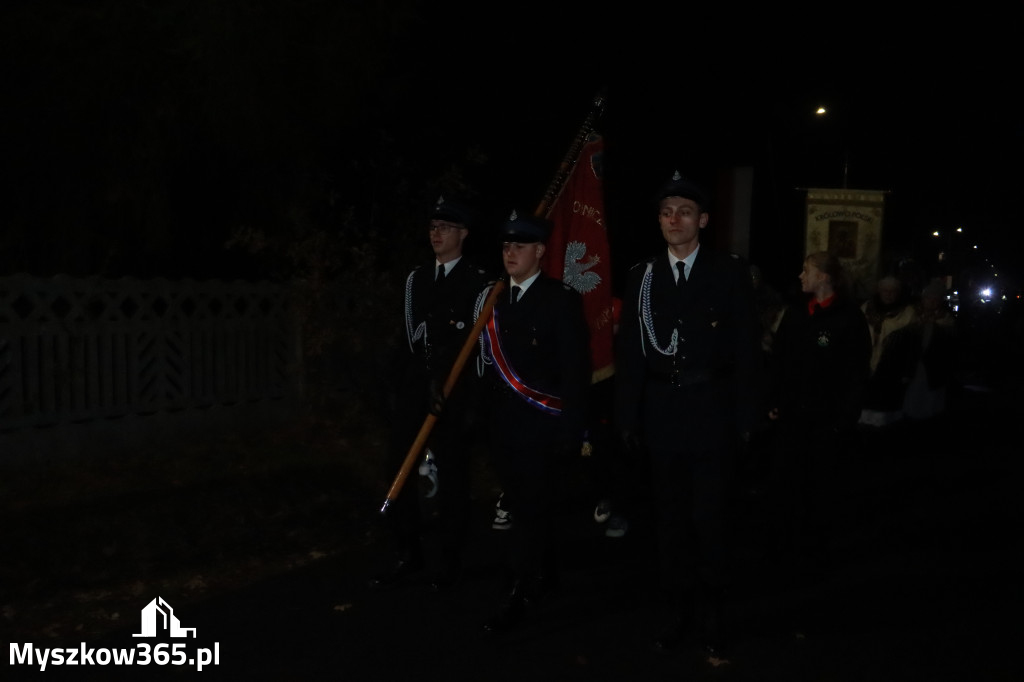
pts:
[821, 112]
[945, 256]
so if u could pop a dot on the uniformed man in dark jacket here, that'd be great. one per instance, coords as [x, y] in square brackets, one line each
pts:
[686, 359]
[538, 355]
[441, 301]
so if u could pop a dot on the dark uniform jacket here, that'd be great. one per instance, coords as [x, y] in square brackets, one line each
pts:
[438, 317]
[686, 359]
[546, 341]
[821, 365]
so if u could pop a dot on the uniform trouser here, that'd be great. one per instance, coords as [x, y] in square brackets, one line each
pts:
[690, 498]
[691, 457]
[532, 477]
[804, 484]
[451, 440]
[616, 473]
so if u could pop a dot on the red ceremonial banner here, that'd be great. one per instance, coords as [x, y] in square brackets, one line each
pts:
[578, 251]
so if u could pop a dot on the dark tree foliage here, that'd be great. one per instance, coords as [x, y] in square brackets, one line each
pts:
[142, 136]
[229, 139]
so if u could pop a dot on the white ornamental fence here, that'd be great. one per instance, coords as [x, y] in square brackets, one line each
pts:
[75, 353]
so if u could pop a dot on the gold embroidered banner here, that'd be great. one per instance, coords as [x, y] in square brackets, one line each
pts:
[848, 223]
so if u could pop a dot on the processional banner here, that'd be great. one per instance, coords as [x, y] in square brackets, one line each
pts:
[848, 224]
[578, 250]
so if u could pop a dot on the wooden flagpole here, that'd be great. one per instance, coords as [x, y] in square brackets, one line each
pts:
[449, 384]
[549, 196]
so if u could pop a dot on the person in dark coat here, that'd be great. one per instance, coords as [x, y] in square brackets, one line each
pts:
[933, 337]
[537, 355]
[819, 378]
[686, 361]
[440, 305]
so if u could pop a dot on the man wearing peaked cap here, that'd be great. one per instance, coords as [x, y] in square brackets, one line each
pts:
[454, 212]
[686, 355]
[439, 311]
[678, 186]
[526, 229]
[537, 362]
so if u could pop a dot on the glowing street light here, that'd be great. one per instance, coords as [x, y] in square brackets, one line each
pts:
[820, 112]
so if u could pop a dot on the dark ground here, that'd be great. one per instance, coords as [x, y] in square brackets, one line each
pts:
[926, 586]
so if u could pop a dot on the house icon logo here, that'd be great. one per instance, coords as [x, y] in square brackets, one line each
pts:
[158, 616]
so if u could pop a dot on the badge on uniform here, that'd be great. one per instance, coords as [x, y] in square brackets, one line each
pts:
[824, 338]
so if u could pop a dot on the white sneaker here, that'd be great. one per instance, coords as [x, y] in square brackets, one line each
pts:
[602, 511]
[502, 518]
[428, 469]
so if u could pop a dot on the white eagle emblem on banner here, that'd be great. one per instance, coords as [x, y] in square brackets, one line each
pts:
[576, 273]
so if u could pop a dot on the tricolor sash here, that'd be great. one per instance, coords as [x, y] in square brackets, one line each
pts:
[542, 401]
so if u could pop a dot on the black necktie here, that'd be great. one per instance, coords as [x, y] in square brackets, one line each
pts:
[515, 293]
[681, 266]
[440, 274]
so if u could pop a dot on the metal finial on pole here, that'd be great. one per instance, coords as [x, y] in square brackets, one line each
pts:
[596, 109]
[453, 375]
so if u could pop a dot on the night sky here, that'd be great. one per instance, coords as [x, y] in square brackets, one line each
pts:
[137, 138]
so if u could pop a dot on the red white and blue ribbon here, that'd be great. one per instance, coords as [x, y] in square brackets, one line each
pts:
[542, 401]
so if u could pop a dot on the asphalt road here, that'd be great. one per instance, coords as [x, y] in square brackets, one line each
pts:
[926, 586]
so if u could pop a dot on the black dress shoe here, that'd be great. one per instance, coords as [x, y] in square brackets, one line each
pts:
[446, 580]
[507, 618]
[510, 614]
[714, 653]
[712, 631]
[539, 589]
[669, 642]
[402, 569]
[672, 639]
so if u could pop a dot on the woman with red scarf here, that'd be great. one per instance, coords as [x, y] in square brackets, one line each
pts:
[819, 375]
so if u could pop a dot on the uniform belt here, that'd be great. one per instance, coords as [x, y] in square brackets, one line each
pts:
[691, 377]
